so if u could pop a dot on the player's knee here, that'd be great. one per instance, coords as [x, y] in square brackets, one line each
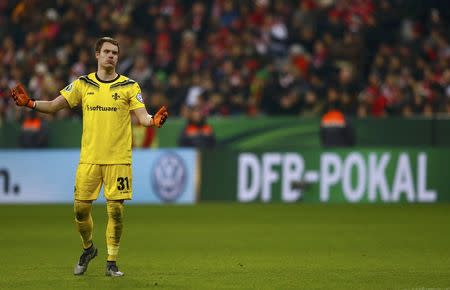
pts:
[82, 210]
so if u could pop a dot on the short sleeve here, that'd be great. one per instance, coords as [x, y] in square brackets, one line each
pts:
[136, 100]
[72, 93]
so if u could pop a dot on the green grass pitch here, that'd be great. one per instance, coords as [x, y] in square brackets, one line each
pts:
[232, 246]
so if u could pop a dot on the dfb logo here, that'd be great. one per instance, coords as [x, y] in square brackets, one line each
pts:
[168, 177]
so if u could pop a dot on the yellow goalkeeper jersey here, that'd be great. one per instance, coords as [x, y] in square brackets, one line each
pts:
[106, 107]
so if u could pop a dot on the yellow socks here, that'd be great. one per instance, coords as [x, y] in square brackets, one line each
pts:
[83, 220]
[114, 228]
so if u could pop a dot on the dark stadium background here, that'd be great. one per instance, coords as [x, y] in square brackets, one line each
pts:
[262, 203]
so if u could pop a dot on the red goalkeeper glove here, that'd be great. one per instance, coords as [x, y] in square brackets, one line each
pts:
[20, 96]
[160, 117]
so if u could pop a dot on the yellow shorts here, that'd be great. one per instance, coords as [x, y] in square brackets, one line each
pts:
[116, 179]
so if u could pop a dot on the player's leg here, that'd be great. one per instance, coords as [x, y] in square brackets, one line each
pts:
[83, 221]
[87, 186]
[113, 235]
[117, 181]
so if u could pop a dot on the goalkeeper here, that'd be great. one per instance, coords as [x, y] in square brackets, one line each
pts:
[106, 98]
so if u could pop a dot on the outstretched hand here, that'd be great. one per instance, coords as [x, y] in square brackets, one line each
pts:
[20, 96]
[160, 117]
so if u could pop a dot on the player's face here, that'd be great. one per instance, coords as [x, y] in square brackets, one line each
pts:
[108, 55]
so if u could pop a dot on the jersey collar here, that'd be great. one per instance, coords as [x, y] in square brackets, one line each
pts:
[107, 82]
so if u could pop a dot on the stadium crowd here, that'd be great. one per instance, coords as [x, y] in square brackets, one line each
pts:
[227, 57]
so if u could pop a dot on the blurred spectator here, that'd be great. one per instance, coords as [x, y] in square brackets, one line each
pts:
[34, 131]
[336, 130]
[197, 132]
[141, 72]
[312, 106]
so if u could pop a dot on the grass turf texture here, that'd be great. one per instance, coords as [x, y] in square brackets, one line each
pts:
[225, 246]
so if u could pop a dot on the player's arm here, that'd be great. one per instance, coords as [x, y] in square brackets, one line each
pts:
[148, 120]
[21, 98]
[52, 106]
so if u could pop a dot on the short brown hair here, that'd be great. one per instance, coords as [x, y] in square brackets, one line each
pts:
[100, 41]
